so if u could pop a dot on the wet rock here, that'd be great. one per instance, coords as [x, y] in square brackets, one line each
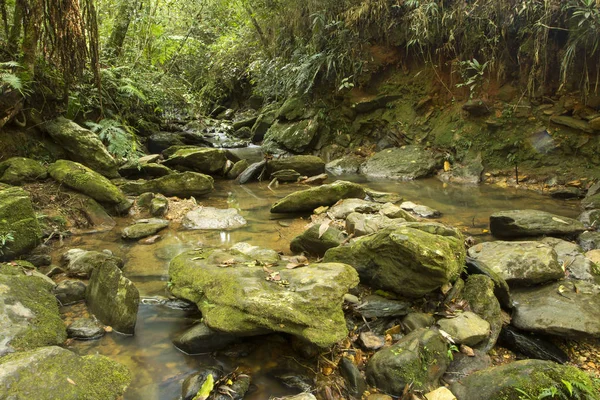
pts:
[201, 339]
[519, 263]
[415, 321]
[590, 218]
[365, 224]
[355, 383]
[419, 358]
[532, 346]
[325, 195]
[573, 260]
[252, 172]
[29, 315]
[560, 309]
[18, 218]
[383, 197]
[345, 207]
[69, 292]
[345, 166]
[86, 181]
[85, 329]
[198, 159]
[592, 199]
[589, 240]
[186, 184]
[413, 260]
[468, 173]
[310, 243]
[406, 163]
[237, 296]
[244, 123]
[296, 137]
[80, 263]
[370, 341]
[237, 169]
[305, 165]
[286, 175]
[96, 214]
[160, 141]
[45, 373]
[440, 393]
[193, 383]
[301, 396]
[463, 365]
[210, 218]
[466, 328]
[159, 206]
[375, 306]
[262, 125]
[143, 228]
[511, 380]
[501, 289]
[525, 223]
[113, 299]
[395, 212]
[18, 170]
[566, 193]
[479, 293]
[266, 256]
[294, 381]
[237, 390]
[477, 108]
[82, 146]
[420, 210]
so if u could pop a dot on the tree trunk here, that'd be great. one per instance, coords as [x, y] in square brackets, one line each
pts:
[31, 33]
[257, 27]
[122, 21]
[15, 30]
[4, 18]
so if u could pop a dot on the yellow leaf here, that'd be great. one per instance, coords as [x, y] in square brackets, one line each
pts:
[71, 381]
[206, 388]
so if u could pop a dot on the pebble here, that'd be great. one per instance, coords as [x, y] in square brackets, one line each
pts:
[371, 341]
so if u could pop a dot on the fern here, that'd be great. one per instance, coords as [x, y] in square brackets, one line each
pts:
[10, 79]
[119, 138]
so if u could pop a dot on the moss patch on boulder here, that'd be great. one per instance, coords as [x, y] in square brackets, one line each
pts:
[17, 218]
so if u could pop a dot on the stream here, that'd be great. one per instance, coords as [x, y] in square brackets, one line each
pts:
[158, 368]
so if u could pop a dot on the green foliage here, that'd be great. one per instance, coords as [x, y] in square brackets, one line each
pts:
[9, 79]
[5, 239]
[472, 72]
[119, 138]
[566, 390]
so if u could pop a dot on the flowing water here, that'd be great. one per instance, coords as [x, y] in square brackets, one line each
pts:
[158, 368]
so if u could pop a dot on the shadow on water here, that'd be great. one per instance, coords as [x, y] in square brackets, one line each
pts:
[158, 368]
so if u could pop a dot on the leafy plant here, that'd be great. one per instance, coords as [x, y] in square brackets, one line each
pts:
[5, 239]
[8, 79]
[119, 138]
[472, 72]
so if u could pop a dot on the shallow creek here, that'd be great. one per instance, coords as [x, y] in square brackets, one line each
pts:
[158, 367]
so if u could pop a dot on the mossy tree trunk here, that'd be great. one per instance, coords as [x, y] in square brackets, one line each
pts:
[15, 30]
[123, 19]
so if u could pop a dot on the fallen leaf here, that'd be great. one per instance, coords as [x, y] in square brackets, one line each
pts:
[71, 381]
[466, 350]
[323, 228]
[560, 220]
[294, 265]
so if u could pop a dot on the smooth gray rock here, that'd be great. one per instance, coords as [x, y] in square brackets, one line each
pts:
[374, 306]
[193, 383]
[345, 207]
[310, 243]
[85, 329]
[324, 195]
[345, 166]
[531, 346]
[143, 228]
[420, 210]
[364, 224]
[479, 293]
[69, 292]
[201, 339]
[415, 321]
[589, 240]
[406, 163]
[252, 172]
[463, 365]
[355, 383]
[80, 263]
[573, 260]
[210, 218]
[466, 328]
[526, 223]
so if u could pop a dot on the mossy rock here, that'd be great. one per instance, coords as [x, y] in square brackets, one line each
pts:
[311, 243]
[296, 137]
[479, 293]
[198, 159]
[411, 260]
[237, 296]
[18, 170]
[50, 373]
[83, 146]
[419, 359]
[86, 181]
[17, 218]
[530, 223]
[237, 169]
[324, 195]
[406, 163]
[522, 379]
[305, 165]
[29, 315]
[186, 184]
[144, 228]
[292, 109]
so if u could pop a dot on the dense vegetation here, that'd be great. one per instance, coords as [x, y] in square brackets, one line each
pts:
[135, 61]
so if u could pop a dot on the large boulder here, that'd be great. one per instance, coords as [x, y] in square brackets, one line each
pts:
[418, 359]
[345, 166]
[239, 295]
[18, 170]
[86, 181]
[569, 308]
[83, 146]
[201, 339]
[81, 263]
[521, 379]
[210, 218]
[314, 242]
[198, 159]
[50, 373]
[304, 165]
[113, 299]
[519, 263]
[184, 184]
[406, 163]
[29, 316]
[18, 222]
[296, 137]
[412, 260]
[526, 223]
[324, 195]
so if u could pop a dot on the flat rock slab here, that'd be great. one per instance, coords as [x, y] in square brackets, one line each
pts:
[466, 328]
[364, 224]
[144, 228]
[183, 185]
[46, 374]
[527, 223]
[325, 195]
[304, 165]
[237, 295]
[210, 218]
[199, 159]
[567, 308]
[519, 263]
[374, 306]
[406, 163]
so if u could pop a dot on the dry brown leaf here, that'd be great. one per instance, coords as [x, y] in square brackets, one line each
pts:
[323, 228]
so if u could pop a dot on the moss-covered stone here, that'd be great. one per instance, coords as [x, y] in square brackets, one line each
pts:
[83, 146]
[86, 181]
[310, 242]
[237, 296]
[199, 159]
[305, 165]
[292, 109]
[184, 184]
[17, 218]
[144, 228]
[406, 163]
[412, 260]
[296, 137]
[479, 293]
[419, 359]
[18, 170]
[237, 169]
[526, 223]
[52, 373]
[324, 195]
[29, 316]
[81, 263]
[511, 381]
